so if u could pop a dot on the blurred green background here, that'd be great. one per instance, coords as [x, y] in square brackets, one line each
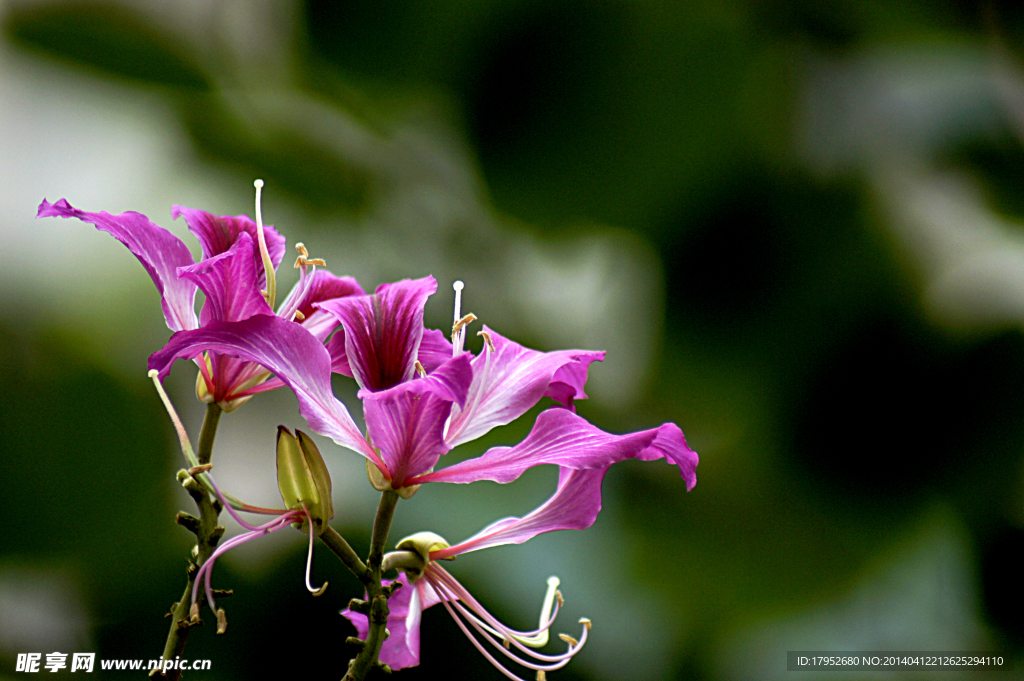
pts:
[797, 227]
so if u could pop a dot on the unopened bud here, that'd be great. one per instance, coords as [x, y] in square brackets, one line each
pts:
[302, 477]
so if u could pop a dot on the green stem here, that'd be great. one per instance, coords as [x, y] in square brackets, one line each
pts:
[378, 614]
[208, 533]
[209, 432]
[335, 542]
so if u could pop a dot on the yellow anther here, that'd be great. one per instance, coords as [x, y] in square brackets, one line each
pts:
[569, 639]
[585, 622]
[462, 323]
[202, 468]
[504, 642]
[558, 597]
[420, 370]
[299, 316]
[304, 260]
[541, 676]
[487, 339]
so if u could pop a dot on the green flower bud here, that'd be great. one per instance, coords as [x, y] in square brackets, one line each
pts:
[302, 477]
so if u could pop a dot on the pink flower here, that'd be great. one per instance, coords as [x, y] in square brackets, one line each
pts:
[574, 505]
[411, 422]
[231, 274]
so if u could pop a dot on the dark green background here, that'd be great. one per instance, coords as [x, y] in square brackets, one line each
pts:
[840, 426]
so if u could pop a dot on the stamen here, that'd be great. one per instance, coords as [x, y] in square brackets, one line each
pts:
[541, 675]
[558, 596]
[569, 639]
[299, 316]
[487, 339]
[268, 265]
[585, 622]
[309, 556]
[459, 333]
[420, 370]
[186, 446]
[446, 585]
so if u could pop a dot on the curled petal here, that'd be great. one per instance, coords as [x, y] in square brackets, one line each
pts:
[229, 282]
[574, 506]
[561, 437]
[159, 251]
[383, 331]
[406, 423]
[217, 234]
[286, 349]
[510, 379]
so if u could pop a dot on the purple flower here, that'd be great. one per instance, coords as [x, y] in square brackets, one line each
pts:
[420, 401]
[231, 274]
[574, 505]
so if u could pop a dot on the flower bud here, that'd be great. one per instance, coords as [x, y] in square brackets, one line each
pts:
[302, 477]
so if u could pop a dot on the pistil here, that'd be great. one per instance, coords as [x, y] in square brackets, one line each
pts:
[459, 322]
[268, 265]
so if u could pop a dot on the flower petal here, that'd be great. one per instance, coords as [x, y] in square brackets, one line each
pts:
[561, 437]
[406, 423]
[435, 350]
[229, 282]
[402, 648]
[322, 287]
[509, 380]
[159, 251]
[290, 352]
[383, 331]
[218, 233]
[573, 506]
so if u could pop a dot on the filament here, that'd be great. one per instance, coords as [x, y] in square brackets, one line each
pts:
[453, 595]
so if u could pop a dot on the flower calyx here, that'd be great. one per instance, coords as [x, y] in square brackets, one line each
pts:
[413, 554]
[382, 484]
[302, 478]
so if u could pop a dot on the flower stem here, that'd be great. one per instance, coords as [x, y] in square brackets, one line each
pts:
[378, 616]
[209, 431]
[207, 532]
[335, 542]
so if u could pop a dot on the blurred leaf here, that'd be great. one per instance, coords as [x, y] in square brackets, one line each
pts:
[111, 40]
